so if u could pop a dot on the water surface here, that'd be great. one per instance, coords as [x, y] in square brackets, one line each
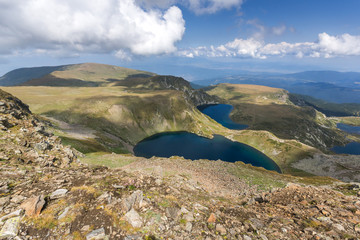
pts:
[350, 148]
[348, 128]
[192, 146]
[220, 113]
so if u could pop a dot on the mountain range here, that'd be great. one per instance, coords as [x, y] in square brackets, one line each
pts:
[331, 86]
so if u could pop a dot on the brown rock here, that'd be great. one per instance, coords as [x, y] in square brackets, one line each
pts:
[212, 218]
[33, 206]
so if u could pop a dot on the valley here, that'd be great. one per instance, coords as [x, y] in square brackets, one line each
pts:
[103, 124]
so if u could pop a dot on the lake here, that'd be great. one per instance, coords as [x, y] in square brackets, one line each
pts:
[350, 148]
[192, 146]
[348, 128]
[220, 113]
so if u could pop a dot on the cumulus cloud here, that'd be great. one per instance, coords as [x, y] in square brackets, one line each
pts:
[326, 46]
[98, 26]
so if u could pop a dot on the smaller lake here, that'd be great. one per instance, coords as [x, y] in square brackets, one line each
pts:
[192, 146]
[220, 113]
[348, 128]
[350, 148]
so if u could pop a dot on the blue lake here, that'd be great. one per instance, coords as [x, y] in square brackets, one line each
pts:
[349, 128]
[350, 148]
[220, 113]
[192, 146]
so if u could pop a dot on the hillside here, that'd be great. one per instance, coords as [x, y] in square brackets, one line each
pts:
[122, 114]
[80, 75]
[156, 198]
[265, 108]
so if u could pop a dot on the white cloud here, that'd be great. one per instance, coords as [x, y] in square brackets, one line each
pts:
[326, 46]
[197, 6]
[279, 30]
[339, 45]
[212, 6]
[88, 26]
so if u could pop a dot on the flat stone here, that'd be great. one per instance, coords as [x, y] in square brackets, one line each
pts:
[221, 229]
[17, 199]
[60, 193]
[188, 227]
[10, 228]
[33, 206]
[97, 234]
[11, 215]
[134, 218]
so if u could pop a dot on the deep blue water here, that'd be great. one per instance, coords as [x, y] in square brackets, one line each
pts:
[350, 148]
[348, 128]
[220, 113]
[192, 146]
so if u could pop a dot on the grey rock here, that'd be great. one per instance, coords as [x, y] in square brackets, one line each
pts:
[188, 227]
[263, 237]
[10, 228]
[256, 224]
[58, 193]
[133, 237]
[134, 218]
[246, 237]
[133, 200]
[338, 227]
[200, 207]
[172, 212]
[189, 217]
[96, 234]
[17, 199]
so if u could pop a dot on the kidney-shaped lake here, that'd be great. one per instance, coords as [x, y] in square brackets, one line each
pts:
[192, 146]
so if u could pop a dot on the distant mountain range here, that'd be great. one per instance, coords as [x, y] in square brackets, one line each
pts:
[331, 86]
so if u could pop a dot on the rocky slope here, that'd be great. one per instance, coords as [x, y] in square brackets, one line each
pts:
[23, 138]
[52, 196]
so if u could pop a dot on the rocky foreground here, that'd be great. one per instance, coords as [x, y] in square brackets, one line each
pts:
[45, 193]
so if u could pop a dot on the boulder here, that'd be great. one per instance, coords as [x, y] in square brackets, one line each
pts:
[134, 218]
[33, 206]
[11, 228]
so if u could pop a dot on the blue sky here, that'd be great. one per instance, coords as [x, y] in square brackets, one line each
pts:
[195, 39]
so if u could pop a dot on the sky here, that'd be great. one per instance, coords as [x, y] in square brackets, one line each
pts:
[195, 39]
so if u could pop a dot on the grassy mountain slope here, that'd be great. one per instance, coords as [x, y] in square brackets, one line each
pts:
[21, 75]
[118, 115]
[265, 108]
[85, 75]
